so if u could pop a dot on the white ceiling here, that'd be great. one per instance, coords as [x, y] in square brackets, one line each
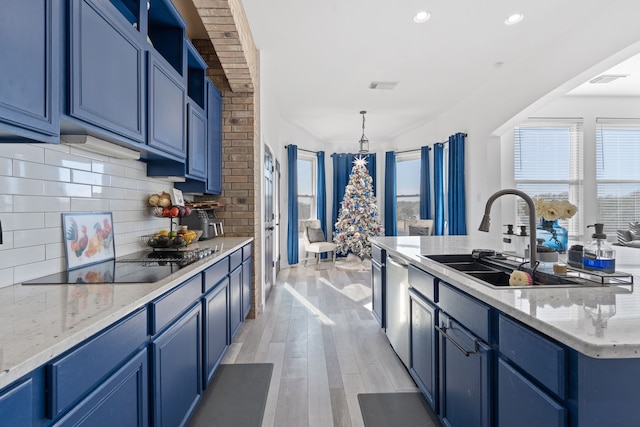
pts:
[320, 56]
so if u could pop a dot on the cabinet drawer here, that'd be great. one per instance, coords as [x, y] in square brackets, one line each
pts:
[79, 371]
[378, 254]
[235, 259]
[246, 252]
[214, 274]
[470, 312]
[534, 354]
[16, 405]
[521, 403]
[170, 305]
[422, 282]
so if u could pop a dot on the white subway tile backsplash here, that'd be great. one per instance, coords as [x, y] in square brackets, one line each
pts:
[24, 238]
[30, 152]
[67, 160]
[13, 185]
[53, 188]
[39, 182]
[6, 166]
[40, 171]
[41, 204]
[84, 177]
[22, 221]
[19, 256]
[89, 205]
[6, 203]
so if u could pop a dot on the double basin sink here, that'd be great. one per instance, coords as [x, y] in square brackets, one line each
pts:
[495, 271]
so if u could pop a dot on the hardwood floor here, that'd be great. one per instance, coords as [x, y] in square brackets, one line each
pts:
[318, 331]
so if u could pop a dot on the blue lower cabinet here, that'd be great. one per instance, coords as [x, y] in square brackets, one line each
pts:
[521, 403]
[177, 370]
[423, 346]
[16, 405]
[123, 400]
[246, 288]
[465, 376]
[216, 328]
[235, 301]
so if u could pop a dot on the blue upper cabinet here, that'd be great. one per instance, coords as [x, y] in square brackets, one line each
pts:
[166, 107]
[29, 74]
[214, 137]
[106, 86]
[197, 143]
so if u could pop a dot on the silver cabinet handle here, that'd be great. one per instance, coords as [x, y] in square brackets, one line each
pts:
[443, 331]
[396, 262]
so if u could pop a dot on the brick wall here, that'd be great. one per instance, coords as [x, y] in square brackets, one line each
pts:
[241, 166]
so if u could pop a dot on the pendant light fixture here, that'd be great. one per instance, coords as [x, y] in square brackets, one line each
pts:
[364, 142]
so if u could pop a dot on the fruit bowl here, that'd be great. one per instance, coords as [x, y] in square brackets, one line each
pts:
[166, 240]
[170, 211]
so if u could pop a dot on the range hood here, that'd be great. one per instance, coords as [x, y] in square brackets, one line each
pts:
[100, 146]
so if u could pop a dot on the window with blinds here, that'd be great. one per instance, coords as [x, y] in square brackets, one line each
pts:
[548, 165]
[618, 172]
[306, 188]
[407, 192]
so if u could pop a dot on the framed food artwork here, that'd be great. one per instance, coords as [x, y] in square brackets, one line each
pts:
[88, 238]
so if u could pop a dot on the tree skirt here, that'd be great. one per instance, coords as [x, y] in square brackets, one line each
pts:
[353, 263]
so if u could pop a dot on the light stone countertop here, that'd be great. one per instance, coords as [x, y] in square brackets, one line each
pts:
[569, 315]
[40, 322]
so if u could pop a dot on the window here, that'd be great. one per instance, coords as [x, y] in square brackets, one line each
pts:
[407, 192]
[617, 173]
[548, 165]
[306, 187]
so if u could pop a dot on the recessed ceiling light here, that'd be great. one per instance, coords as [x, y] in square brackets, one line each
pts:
[422, 16]
[514, 19]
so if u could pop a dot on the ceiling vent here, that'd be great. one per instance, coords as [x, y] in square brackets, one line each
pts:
[383, 85]
[608, 78]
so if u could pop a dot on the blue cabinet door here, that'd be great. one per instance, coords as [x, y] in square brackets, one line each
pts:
[235, 301]
[197, 142]
[29, 75]
[214, 136]
[106, 70]
[423, 346]
[521, 403]
[377, 291]
[216, 328]
[120, 401]
[246, 288]
[166, 107]
[465, 382]
[16, 405]
[177, 370]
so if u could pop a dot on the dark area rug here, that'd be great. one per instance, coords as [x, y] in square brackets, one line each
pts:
[236, 397]
[396, 409]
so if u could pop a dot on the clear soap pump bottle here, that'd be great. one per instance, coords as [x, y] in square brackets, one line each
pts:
[598, 254]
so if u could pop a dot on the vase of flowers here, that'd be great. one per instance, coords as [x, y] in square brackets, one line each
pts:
[548, 229]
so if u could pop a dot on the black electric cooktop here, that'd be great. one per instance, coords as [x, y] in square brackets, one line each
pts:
[140, 267]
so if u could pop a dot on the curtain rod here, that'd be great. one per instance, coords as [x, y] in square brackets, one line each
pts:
[418, 149]
[302, 149]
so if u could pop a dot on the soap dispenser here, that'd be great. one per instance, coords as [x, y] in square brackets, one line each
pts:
[508, 240]
[598, 254]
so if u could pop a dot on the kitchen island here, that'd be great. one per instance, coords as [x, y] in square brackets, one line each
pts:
[562, 356]
[50, 333]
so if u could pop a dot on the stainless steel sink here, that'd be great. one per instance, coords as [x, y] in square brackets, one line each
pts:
[495, 271]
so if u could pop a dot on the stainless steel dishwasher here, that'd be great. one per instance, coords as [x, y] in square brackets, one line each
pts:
[397, 305]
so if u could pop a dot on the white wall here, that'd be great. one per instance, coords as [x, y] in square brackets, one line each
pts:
[38, 182]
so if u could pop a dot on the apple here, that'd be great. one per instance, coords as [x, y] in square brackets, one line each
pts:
[166, 212]
[174, 211]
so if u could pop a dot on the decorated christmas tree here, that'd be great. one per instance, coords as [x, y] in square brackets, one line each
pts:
[358, 216]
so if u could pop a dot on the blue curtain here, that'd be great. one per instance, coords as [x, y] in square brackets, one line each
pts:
[390, 228]
[342, 165]
[292, 210]
[425, 184]
[438, 188]
[456, 206]
[321, 213]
